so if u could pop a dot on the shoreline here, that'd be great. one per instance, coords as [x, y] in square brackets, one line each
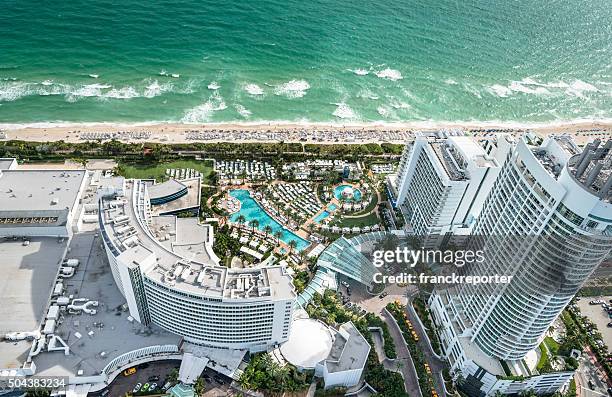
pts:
[162, 132]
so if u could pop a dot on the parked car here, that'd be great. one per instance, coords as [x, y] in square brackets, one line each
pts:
[610, 324]
[596, 302]
[153, 386]
[381, 296]
[137, 388]
[344, 283]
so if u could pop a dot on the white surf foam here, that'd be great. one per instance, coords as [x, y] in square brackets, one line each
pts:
[213, 86]
[47, 82]
[244, 112]
[121, 93]
[155, 89]
[292, 89]
[253, 89]
[343, 111]
[203, 112]
[386, 112]
[579, 88]
[450, 82]
[360, 72]
[500, 90]
[11, 91]
[390, 74]
[86, 91]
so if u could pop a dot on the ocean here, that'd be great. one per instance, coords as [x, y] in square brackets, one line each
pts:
[334, 61]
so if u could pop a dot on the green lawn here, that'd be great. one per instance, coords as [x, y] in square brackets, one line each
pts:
[552, 345]
[158, 171]
[371, 205]
[366, 220]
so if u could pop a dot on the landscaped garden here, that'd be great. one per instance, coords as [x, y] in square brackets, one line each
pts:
[328, 308]
[398, 311]
[157, 171]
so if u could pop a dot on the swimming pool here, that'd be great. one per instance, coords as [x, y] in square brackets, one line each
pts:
[251, 210]
[356, 193]
[321, 216]
[332, 207]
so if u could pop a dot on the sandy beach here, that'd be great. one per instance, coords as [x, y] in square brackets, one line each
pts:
[583, 131]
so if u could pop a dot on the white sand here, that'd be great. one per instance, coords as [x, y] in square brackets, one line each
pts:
[176, 133]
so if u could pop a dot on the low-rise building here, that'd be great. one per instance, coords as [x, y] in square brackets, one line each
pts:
[40, 203]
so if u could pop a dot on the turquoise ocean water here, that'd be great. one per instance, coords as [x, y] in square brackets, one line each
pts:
[294, 60]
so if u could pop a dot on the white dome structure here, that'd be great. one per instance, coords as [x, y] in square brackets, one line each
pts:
[310, 342]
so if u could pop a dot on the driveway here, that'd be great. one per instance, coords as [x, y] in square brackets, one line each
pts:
[436, 364]
[411, 382]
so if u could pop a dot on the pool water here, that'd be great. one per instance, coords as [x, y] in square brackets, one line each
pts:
[332, 207]
[338, 193]
[251, 210]
[321, 216]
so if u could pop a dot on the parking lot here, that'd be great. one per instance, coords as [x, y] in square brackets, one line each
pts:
[598, 315]
[144, 375]
[154, 376]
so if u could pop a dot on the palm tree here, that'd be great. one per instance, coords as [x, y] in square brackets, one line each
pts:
[278, 235]
[292, 245]
[241, 219]
[199, 386]
[268, 229]
[254, 224]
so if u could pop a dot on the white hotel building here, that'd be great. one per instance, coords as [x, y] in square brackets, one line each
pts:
[442, 184]
[169, 275]
[561, 198]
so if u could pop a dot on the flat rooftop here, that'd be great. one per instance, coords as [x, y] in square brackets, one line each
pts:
[349, 351]
[184, 261]
[112, 332]
[28, 278]
[7, 163]
[188, 201]
[165, 189]
[39, 190]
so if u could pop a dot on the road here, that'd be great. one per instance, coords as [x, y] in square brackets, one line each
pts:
[411, 382]
[434, 362]
[590, 371]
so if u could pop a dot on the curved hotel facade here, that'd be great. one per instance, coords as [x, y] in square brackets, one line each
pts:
[167, 271]
[548, 223]
[545, 218]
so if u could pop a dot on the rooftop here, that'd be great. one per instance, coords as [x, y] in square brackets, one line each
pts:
[28, 277]
[185, 202]
[310, 342]
[593, 168]
[349, 351]
[165, 189]
[39, 190]
[112, 331]
[7, 163]
[183, 249]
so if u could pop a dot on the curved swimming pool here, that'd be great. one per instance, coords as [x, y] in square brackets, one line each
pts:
[356, 195]
[251, 210]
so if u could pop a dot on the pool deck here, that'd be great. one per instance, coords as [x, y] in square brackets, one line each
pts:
[298, 233]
